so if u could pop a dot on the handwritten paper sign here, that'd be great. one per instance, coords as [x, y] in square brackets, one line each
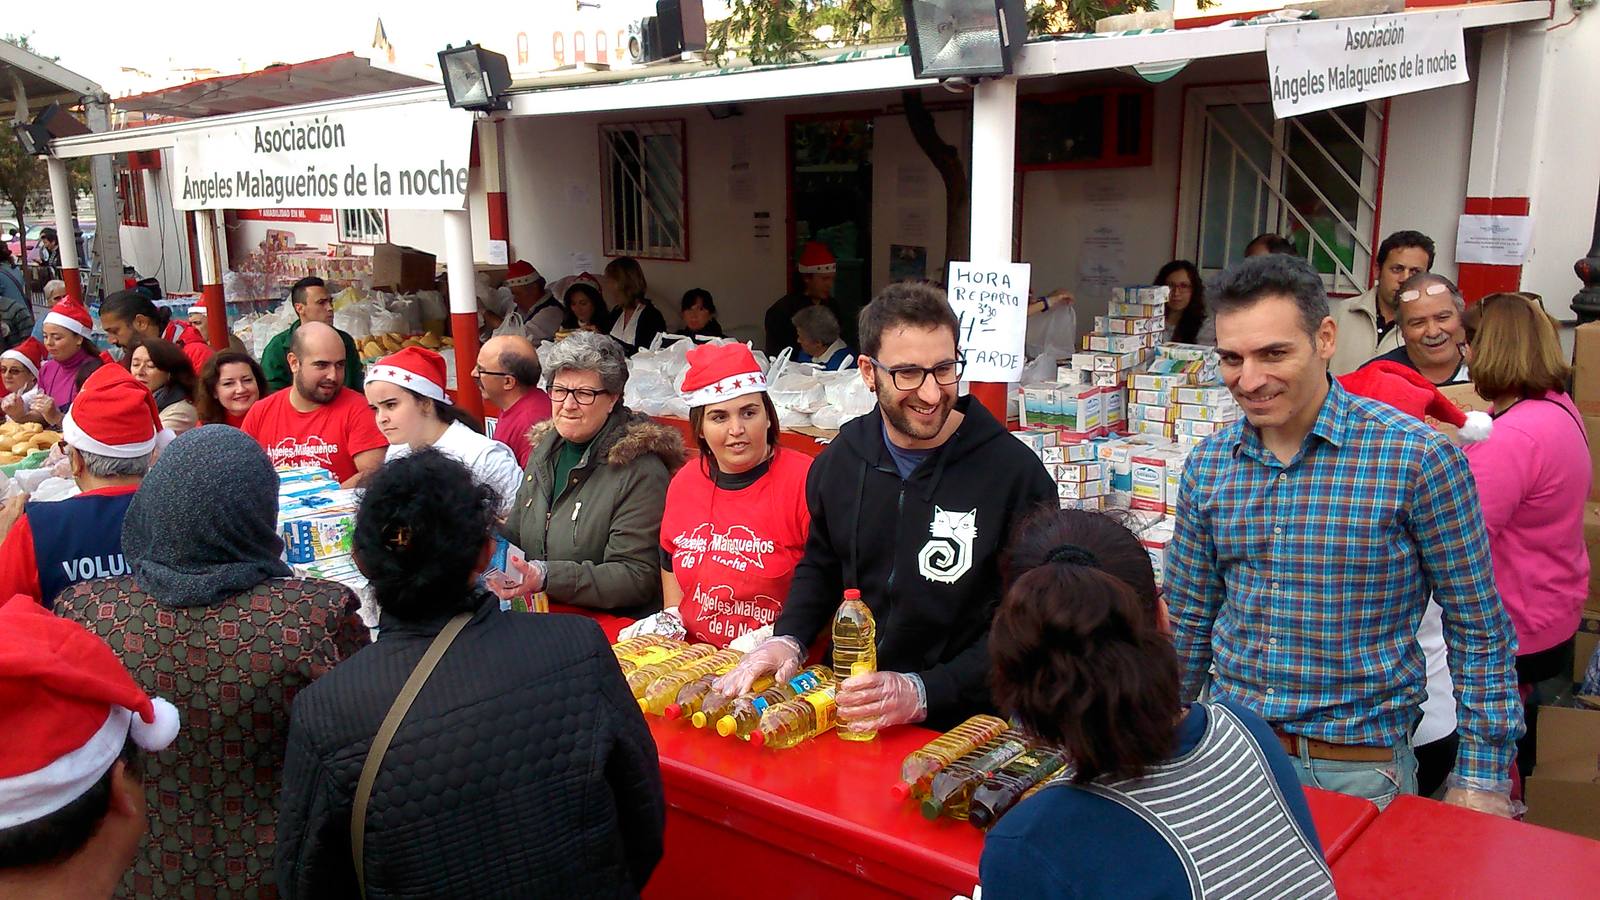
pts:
[991, 301]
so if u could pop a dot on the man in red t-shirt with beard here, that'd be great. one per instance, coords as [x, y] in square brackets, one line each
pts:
[318, 421]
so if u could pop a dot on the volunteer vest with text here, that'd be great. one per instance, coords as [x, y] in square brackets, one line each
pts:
[77, 540]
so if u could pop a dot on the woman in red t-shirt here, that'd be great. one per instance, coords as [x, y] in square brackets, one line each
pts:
[736, 520]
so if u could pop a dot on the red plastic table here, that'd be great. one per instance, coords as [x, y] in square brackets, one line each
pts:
[819, 821]
[1421, 848]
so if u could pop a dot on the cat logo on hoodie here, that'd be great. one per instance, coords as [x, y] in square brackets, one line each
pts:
[948, 553]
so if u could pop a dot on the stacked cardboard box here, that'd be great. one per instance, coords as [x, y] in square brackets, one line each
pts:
[1079, 477]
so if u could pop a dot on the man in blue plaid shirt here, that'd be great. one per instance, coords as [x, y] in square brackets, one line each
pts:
[1310, 535]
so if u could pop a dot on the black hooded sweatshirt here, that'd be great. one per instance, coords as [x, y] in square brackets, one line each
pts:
[925, 552]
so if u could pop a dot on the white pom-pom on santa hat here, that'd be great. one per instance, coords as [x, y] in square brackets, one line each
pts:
[1478, 427]
[67, 708]
[159, 733]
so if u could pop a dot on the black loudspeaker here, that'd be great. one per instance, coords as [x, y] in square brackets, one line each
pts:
[678, 27]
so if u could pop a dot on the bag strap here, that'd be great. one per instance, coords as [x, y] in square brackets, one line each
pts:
[386, 732]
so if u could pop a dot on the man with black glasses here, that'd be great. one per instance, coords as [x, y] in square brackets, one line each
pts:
[912, 505]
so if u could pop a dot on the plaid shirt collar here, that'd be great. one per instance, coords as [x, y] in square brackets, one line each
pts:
[1332, 426]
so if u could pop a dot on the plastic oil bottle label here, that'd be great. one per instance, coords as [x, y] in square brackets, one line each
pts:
[803, 682]
[827, 711]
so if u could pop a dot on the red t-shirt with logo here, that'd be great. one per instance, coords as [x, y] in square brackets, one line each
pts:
[329, 436]
[734, 551]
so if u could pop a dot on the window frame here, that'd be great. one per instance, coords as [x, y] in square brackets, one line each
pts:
[1192, 181]
[134, 199]
[680, 253]
[365, 237]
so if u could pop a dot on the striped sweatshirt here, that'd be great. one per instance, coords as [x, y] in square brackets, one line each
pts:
[1224, 817]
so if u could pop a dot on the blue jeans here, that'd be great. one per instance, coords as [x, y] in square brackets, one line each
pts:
[1379, 782]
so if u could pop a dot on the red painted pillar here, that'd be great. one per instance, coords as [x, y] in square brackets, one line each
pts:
[993, 397]
[205, 221]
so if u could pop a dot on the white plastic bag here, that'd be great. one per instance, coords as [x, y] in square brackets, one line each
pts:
[432, 306]
[798, 389]
[1052, 333]
[55, 489]
[512, 324]
[384, 321]
[354, 320]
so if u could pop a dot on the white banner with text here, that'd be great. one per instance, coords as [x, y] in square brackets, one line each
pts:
[1336, 62]
[412, 156]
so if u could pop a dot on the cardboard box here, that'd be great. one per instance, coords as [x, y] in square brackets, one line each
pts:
[1564, 792]
[1079, 490]
[404, 268]
[1140, 412]
[1586, 368]
[1077, 471]
[1037, 439]
[1141, 293]
[1112, 343]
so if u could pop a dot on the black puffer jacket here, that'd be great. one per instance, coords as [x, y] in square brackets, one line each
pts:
[524, 768]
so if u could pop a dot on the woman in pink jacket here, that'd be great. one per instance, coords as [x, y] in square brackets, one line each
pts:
[1533, 477]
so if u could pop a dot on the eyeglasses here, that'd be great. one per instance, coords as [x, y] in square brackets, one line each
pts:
[479, 372]
[909, 378]
[584, 396]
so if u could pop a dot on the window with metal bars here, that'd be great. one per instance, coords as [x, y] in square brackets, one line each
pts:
[130, 190]
[1312, 178]
[362, 226]
[644, 190]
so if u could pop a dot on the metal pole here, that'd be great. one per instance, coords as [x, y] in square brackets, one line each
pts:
[66, 229]
[461, 270]
[1586, 303]
[107, 218]
[205, 223]
[994, 157]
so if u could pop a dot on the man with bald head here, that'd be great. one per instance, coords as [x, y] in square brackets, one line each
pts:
[317, 421]
[508, 372]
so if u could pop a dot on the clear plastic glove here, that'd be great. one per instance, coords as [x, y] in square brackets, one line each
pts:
[880, 700]
[779, 657]
[533, 577]
[668, 623]
[1485, 796]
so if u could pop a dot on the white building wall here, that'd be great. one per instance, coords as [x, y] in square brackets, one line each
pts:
[1425, 170]
[553, 192]
[160, 249]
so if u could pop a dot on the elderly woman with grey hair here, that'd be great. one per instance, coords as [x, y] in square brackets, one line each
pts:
[1431, 314]
[820, 344]
[588, 513]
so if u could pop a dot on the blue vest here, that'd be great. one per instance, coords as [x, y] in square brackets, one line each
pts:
[77, 539]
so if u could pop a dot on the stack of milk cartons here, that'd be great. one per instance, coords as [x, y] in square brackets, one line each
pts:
[1202, 412]
[317, 520]
[1079, 476]
[1122, 340]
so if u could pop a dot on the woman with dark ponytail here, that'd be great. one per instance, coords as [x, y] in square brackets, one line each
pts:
[1163, 798]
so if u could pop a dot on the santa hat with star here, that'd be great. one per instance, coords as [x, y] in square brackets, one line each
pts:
[520, 273]
[1409, 391]
[417, 369]
[720, 372]
[67, 707]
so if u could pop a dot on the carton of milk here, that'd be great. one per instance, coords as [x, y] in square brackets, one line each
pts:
[1157, 539]
[1149, 477]
[502, 563]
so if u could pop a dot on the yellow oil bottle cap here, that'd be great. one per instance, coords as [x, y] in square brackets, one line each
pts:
[726, 726]
[644, 705]
[698, 720]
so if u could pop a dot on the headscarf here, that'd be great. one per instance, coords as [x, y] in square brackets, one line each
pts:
[203, 526]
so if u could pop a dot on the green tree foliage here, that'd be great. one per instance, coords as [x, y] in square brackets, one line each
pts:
[24, 179]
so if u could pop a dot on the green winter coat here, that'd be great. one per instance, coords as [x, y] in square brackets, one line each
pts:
[601, 532]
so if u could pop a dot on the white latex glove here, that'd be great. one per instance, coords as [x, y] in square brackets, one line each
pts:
[533, 578]
[780, 657]
[668, 623]
[879, 700]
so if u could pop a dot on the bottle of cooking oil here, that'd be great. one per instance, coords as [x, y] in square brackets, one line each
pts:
[745, 714]
[855, 647]
[800, 719]
[635, 644]
[640, 678]
[1005, 788]
[654, 651]
[714, 706]
[952, 788]
[665, 689]
[921, 765]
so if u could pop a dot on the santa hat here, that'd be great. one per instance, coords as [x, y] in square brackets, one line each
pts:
[720, 372]
[816, 259]
[68, 706]
[71, 315]
[114, 415]
[1409, 391]
[521, 273]
[416, 369]
[30, 353]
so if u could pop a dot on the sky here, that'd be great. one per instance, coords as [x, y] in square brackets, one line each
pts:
[98, 38]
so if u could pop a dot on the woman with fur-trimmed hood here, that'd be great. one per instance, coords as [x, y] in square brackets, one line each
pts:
[588, 513]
